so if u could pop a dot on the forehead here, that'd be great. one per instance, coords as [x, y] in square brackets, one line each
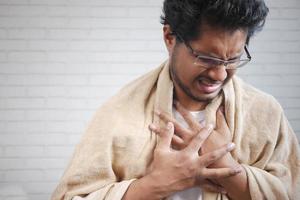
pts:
[219, 41]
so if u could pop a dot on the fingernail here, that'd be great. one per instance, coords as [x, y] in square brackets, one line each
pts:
[169, 125]
[230, 146]
[238, 169]
[210, 127]
[152, 126]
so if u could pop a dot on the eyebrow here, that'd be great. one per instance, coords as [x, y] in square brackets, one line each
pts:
[213, 56]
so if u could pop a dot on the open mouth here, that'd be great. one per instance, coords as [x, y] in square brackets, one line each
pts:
[207, 86]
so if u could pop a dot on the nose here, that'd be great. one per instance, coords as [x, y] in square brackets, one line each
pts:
[218, 73]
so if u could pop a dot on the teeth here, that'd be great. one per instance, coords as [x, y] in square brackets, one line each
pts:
[207, 83]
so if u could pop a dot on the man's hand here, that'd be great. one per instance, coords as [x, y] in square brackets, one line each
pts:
[219, 137]
[176, 170]
[235, 186]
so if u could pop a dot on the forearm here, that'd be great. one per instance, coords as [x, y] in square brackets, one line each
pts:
[236, 186]
[142, 189]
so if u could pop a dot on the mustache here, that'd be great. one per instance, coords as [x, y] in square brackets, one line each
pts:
[208, 80]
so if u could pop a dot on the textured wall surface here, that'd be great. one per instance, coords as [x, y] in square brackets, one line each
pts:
[60, 59]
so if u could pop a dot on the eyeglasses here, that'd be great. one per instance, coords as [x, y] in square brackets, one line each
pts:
[212, 62]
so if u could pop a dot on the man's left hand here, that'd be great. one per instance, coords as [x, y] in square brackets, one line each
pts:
[220, 136]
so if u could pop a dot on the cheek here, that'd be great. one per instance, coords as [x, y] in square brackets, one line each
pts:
[189, 73]
[186, 71]
[184, 68]
[230, 73]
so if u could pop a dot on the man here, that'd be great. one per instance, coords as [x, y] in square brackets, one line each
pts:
[190, 129]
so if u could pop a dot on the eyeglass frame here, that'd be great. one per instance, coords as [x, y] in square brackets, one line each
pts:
[220, 61]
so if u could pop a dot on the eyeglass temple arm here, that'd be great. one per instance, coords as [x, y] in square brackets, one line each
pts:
[247, 52]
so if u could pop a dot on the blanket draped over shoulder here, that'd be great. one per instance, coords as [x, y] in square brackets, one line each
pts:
[117, 146]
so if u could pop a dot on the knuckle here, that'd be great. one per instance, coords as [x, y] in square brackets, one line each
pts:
[213, 156]
[185, 157]
[215, 174]
[189, 170]
[157, 131]
[160, 152]
[186, 166]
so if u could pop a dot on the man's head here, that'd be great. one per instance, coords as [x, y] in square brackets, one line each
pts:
[200, 34]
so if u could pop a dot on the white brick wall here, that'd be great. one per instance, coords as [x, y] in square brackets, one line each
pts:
[59, 59]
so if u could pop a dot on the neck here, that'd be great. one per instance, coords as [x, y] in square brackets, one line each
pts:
[187, 102]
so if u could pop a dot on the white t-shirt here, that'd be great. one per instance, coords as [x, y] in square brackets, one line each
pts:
[194, 193]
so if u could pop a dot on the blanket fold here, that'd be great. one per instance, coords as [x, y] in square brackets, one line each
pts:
[117, 146]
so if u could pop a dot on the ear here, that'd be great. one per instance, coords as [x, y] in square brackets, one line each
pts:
[169, 38]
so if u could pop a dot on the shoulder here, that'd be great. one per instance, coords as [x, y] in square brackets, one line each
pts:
[257, 99]
[259, 109]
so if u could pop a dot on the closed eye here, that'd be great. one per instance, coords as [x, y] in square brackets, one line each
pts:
[209, 61]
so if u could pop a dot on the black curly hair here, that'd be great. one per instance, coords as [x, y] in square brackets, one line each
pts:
[186, 16]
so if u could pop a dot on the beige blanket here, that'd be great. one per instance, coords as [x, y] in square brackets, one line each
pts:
[117, 146]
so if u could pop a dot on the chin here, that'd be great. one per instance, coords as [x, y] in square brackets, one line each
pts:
[206, 97]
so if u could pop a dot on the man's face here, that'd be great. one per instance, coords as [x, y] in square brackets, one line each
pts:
[201, 84]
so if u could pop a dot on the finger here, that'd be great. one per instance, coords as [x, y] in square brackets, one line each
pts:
[221, 120]
[154, 128]
[198, 140]
[178, 143]
[188, 117]
[180, 130]
[166, 135]
[217, 173]
[177, 140]
[209, 158]
[209, 186]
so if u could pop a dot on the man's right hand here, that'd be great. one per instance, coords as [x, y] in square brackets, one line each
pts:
[176, 170]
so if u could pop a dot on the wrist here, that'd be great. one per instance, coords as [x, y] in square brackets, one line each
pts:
[226, 161]
[143, 189]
